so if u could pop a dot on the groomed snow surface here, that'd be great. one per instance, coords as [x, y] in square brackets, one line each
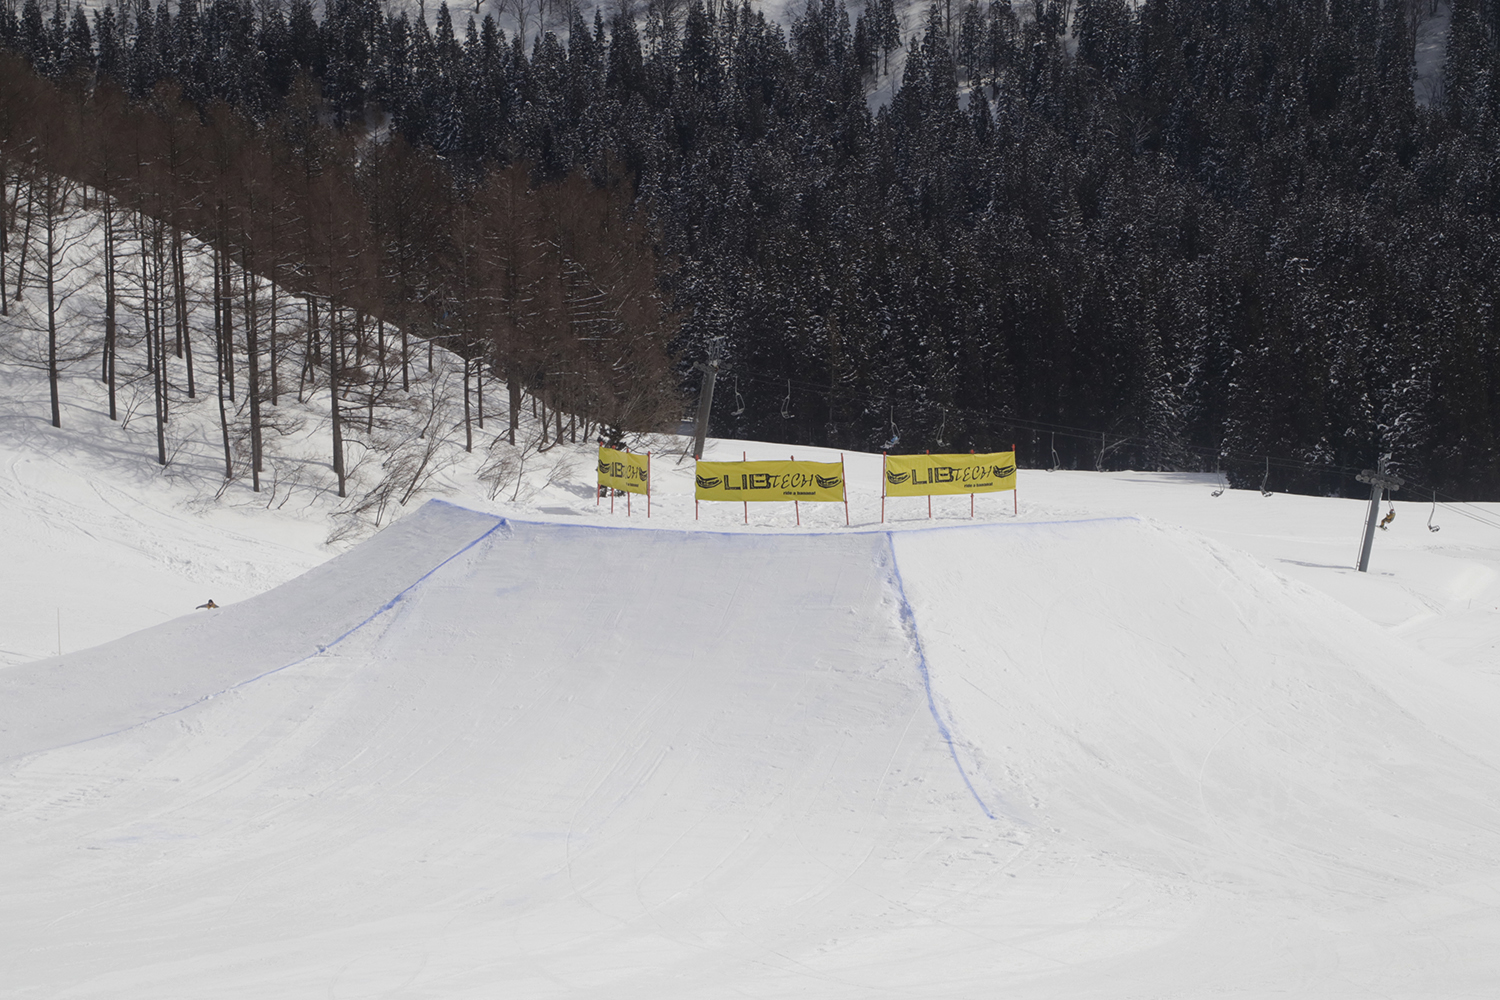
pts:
[1134, 740]
[1071, 754]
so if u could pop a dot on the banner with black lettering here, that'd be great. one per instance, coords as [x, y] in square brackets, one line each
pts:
[929, 475]
[624, 470]
[790, 480]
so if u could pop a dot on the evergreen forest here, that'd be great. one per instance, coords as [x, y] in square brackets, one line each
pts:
[1177, 235]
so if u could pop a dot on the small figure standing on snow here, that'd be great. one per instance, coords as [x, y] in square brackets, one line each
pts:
[210, 605]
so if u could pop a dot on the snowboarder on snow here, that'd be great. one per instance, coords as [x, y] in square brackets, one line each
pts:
[210, 605]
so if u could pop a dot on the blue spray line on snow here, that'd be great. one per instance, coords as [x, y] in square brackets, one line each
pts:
[388, 605]
[322, 648]
[909, 619]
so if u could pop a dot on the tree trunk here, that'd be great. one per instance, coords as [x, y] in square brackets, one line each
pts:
[5, 233]
[380, 348]
[405, 361]
[159, 307]
[333, 395]
[275, 387]
[179, 286]
[309, 348]
[25, 236]
[252, 352]
[228, 319]
[468, 425]
[50, 223]
[219, 356]
[140, 232]
[111, 337]
[151, 305]
[513, 386]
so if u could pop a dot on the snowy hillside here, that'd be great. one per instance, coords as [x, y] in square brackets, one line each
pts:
[1134, 740]
[482, 756]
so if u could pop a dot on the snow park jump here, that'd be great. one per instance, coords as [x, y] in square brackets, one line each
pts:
[479, 757]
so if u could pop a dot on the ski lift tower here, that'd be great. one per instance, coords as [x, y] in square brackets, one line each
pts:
[1379, 482]
[706, 394]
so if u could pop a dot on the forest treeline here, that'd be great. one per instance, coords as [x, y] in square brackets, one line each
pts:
[1216, 230]
[372, 251]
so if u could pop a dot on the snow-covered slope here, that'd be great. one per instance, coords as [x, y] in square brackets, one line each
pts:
[480, 756]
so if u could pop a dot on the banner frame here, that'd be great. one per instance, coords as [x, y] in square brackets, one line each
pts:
[796, 504]
[625, 449]
[1014, 491]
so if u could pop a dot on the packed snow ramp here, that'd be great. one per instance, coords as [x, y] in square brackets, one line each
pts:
[480, 758]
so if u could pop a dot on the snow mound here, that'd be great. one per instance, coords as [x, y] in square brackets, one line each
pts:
[478, 757]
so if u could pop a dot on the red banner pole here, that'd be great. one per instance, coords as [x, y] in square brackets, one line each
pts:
[844, 477]
[797, 503]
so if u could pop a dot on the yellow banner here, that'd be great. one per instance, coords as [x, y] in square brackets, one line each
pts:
[926, 475]
[811, 481]
[624, 470]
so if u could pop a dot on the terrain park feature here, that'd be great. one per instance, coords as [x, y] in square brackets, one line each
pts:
[475, 757]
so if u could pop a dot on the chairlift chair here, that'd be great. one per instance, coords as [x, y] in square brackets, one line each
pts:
[895, 433]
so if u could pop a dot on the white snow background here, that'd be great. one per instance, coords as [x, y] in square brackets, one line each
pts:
[1133, 741]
